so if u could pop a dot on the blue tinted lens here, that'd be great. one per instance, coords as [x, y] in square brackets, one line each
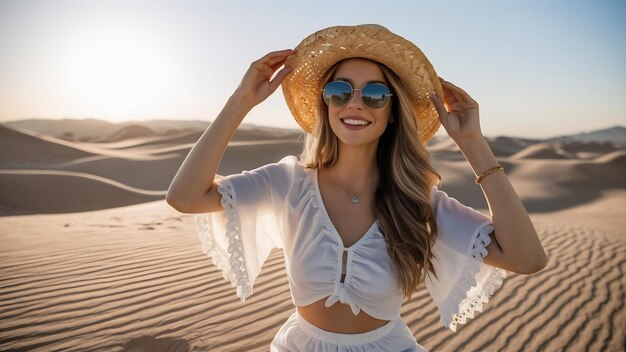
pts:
[337, 93]
[375, 95]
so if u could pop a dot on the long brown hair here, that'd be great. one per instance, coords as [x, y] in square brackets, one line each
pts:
[402, 200]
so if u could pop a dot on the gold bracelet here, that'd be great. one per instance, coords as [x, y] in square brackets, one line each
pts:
[494, 169]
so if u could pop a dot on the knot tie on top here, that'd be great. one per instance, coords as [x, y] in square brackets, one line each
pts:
[344, 297]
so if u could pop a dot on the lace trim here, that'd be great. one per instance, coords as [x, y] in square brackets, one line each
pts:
[463, 307]
[231, 264]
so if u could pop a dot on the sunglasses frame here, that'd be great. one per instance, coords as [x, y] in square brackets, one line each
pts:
[352, 94]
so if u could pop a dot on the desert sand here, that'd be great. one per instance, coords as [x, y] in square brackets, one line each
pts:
[92, 258]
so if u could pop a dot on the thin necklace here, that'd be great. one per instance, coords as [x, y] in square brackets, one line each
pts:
[355, 199]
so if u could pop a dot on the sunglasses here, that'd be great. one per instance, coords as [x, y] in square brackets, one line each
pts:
[373, 95]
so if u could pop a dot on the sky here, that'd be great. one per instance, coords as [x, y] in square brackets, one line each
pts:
[537, 68]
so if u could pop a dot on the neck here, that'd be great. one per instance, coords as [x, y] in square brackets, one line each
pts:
[356, 168]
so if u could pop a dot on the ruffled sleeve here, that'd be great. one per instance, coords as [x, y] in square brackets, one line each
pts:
[240, 238]
[464, 281]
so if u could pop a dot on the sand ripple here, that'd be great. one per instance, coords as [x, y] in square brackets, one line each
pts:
[87, 286]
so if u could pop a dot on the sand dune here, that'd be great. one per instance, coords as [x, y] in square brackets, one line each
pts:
[49, 191]
[27, 148]
[506, 146]
[99, 131]
[542, 151]
[44, 174]
[617, 157]
[132, 131]
[577, 147]
[102, 263]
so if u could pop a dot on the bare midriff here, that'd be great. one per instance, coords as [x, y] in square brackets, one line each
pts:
[339, 318]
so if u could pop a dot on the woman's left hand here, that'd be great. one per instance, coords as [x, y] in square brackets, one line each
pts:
[458, 113]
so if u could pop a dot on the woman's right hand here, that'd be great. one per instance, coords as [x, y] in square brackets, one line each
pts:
[255, 86]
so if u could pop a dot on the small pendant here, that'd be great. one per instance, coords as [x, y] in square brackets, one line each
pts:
[355, 199]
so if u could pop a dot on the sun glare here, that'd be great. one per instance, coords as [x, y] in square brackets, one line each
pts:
[119, 74]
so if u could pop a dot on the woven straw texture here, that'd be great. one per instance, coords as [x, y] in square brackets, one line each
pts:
[322, 49]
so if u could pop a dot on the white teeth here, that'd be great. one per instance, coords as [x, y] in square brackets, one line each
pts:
[355, 122]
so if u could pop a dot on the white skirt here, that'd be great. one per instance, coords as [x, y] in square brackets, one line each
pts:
[298, 335]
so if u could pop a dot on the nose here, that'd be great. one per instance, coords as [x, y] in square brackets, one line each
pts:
[355, 101]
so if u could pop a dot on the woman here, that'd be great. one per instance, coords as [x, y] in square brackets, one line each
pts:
[358, 215]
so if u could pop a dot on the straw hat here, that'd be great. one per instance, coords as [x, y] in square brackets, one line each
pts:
[322, 49]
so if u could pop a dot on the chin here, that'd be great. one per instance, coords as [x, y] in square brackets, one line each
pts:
[357, 140]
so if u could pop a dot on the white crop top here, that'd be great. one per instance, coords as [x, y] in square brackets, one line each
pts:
[279, 205]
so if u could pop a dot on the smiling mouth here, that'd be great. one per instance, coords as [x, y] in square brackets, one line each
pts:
[355, 122]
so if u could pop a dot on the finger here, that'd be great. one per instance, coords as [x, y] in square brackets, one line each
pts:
[452, 86]
[448, 96]
[270, 70]
[273, 64]
[274, 54]
[280, 76]
[450, 92]
[277, 66]
[277, 59]
[263, 70]
[458, 91]
[458, 107]
[441, 110]
[457, 97]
